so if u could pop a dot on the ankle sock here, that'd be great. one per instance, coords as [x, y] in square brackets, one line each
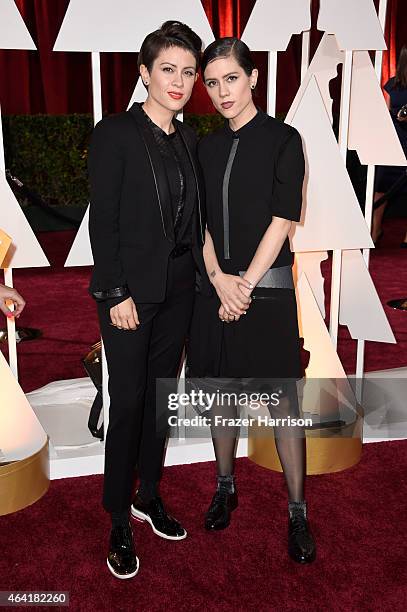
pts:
[299, 507]
[120, 518]
[226, 483]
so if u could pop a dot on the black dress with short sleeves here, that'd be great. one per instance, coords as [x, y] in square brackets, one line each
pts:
[250, 176]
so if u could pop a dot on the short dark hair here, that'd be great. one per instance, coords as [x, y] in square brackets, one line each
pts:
[171, 34]
[225, 47]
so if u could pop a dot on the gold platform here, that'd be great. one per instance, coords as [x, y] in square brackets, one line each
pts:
[24, 482]
[328, 450]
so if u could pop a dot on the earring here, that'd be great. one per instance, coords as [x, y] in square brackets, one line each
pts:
[145, 82]
[252, 85]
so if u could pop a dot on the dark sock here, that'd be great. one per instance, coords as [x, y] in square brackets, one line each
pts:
[299, 507]
[147, 490]
[120, 518]
[226, 483]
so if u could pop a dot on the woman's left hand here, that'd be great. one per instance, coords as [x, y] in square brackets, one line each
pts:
[227, 317]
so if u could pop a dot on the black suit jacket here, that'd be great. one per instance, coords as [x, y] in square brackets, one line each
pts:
[130, 218]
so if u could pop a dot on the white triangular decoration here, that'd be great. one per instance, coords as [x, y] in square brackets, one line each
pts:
[310, 264]
[139, 94]
[80, 253]
[331, 216]
[21, 433]
[324, 67]
[271, 24]
[324, 361]
[13, 31]
[122, 25]
[379, 144]
[322, 393]
[25, 251]
[360, 307]
[355, 23]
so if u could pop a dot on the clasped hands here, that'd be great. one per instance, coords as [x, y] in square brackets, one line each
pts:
[234, 293]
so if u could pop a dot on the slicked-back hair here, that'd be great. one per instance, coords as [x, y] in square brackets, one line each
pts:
[225, 47]
[171, 34]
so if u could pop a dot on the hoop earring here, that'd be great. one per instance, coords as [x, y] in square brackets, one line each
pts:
[252, 86]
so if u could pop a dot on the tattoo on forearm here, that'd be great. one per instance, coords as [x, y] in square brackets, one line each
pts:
[213, 274]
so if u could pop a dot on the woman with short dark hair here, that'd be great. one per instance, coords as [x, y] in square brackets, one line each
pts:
[253, 169]
[146, 229]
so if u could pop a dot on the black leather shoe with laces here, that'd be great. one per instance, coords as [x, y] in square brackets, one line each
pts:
[301, 545]
[154, 513]
[219, 512]
[121, 559]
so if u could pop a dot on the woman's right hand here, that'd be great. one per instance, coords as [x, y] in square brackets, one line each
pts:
[229, 289]
[124, 315]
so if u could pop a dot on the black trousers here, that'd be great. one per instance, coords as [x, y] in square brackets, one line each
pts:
[135, 359]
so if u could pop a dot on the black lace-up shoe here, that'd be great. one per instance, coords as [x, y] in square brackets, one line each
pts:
[219, 512]
[301, 545]
[154, 513]
[121, 559]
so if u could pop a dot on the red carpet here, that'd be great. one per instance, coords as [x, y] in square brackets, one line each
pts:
[358, 518]
[59, 305]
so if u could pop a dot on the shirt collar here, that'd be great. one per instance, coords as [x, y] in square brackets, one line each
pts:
[259, 118]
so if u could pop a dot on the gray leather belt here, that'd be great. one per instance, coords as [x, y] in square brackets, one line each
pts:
[276, 278]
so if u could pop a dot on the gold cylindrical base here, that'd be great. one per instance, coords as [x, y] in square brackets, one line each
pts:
[325, 453]
[24, 482]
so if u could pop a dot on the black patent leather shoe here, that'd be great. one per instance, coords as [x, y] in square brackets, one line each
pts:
[161, 523]
[219, 512]
[301, 545]
[121, 559]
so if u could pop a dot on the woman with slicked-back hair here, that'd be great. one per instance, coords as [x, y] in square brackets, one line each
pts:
[247, 330]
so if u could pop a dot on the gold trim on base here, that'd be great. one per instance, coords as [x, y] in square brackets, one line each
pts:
[325, 453]
[24, 482]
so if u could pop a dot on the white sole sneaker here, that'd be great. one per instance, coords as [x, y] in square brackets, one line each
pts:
[140, 516]
[123, 576]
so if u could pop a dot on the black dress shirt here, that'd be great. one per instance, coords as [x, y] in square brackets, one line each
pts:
[180, 177]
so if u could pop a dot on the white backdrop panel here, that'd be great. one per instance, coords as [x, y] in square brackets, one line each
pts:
[122, 25]
[360, 306]
[331, 216]
[13, 31]
[21, 434]
[354, 22]
[310, 264]
[371, 129]
[324, 361]
[25, 251]
[139, 94]
[324, 67]
[271, 24]
[80, 253]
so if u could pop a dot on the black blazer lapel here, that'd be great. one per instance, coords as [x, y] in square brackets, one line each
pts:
[158, 170]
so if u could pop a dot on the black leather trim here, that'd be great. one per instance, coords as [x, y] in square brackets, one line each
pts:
[115, 292]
